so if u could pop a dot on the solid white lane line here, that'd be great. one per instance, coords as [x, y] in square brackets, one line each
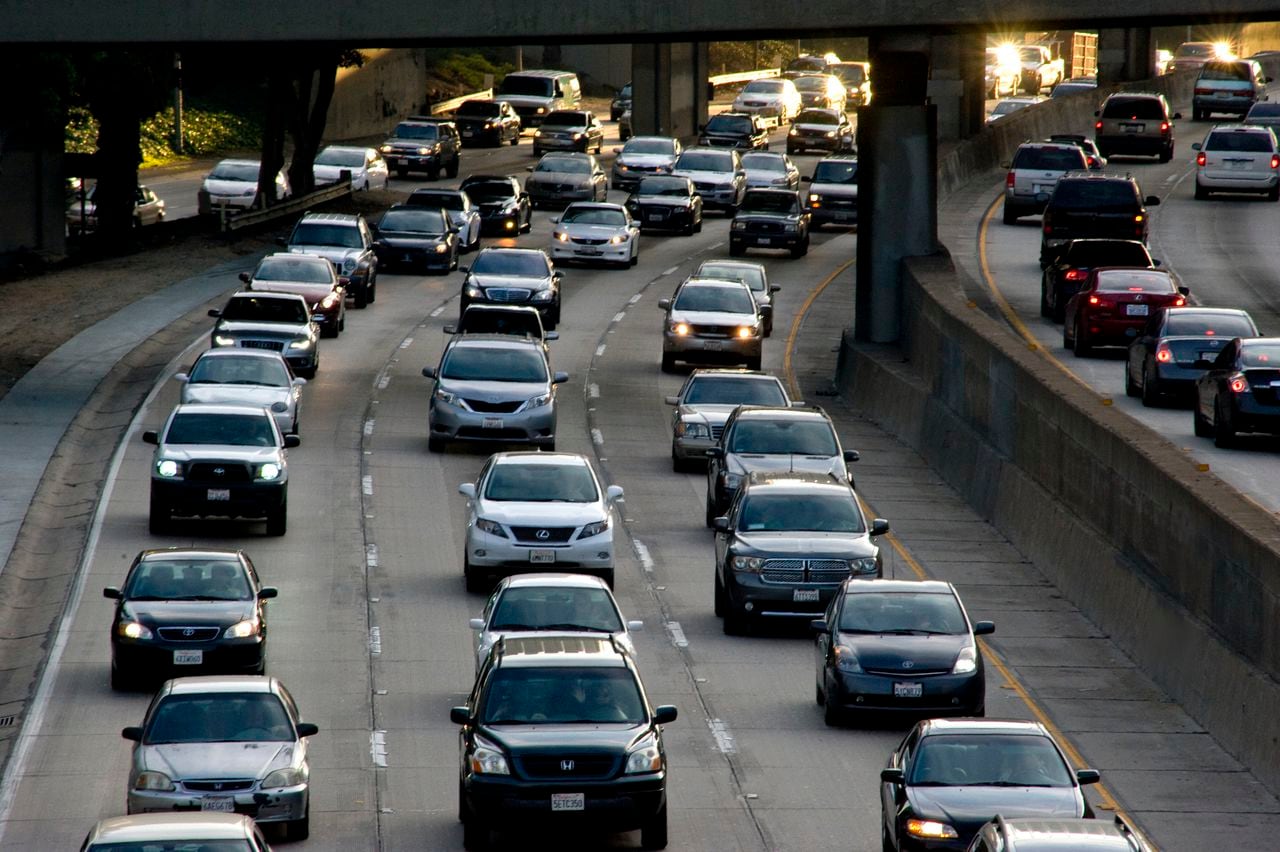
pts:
[593, 390]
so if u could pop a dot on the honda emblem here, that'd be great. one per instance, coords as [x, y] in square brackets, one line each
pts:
[566, 765]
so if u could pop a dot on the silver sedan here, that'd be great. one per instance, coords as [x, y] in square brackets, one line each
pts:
[595, 232]
[770, 170]
[246, 377]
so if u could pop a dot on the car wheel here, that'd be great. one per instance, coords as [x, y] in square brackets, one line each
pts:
[1150, 387]
[1046, 310]
[537, 152]
[120, 681]
[298, 829]
[1199, 425]
[607, 576]
[886, 845]
[1130, 386]
[1166, 154]
[361, 298]
[1224, 431]
[402, 173]
[435, 445]
[711, 512]
[365, 188]
[802, 249]
[433, 174]
[474, 835]
[668, 362]
[159, 519]
[278, 519]
[329, 330]
[831, 715]
[688, 230]
[473, 579]
[1010, 214]
[653, 834]
[1198, 114]
[452, 169]
[720, 596]
[1079, 343]
[819, 697]
[736, 250]
[754, 363]
[1273, 194]
[734, 622]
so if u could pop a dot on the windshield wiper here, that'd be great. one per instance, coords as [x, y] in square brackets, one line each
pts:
[508, 722]
[1005, 784]
[913, 631]
[569, 626]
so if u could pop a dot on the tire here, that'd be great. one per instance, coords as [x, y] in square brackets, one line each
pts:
[1131, 388]
[886, 845]
[435, 445]
[736, 250]
[329, 331]
[668, 363]
[831, 715]
[433, 173]
[159, 518]
[402, 173]
[121, 682]
[471, 579]
[548, 446]
[1079, 346]
[720, 596]
[1224, 434]
[754, 363]
[819, 697]
[1150, 390]
[1198, 114]
[1198, 424]
[1166, 154]
[687, 230]
[1060, 310]
[607, 576]
[463, 811]
[278, 519]
[553, 320]
[1010, 215]
[678, 465]
[373, 287]
[475, 836]
[452, 169]
[537, 152]
[800, 250]
[653, 834]
[734, 623]
[298, 829]
[1273, 194]
[711, 513]
[1046, 310]
[362, 298]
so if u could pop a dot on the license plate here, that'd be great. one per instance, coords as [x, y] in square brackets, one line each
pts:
[1134, 128]
[1209, 356]
[804, 595]
[588, 251]
[221, 804]
[393, 161]
[1136, 310]
[219, 495]
[713, 346]
[654, 217]
[908, 690]
[492, 423]
[188, 658]
[764, 241]
[542, 557]
[1042, 187]
[466, 133]
[568, 802]
[1238, 165]
[842, 217]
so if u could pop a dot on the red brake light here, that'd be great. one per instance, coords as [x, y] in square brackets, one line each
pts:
[1163, 355]
[1239, 385]
[1076, 275]
[1094, 300]
[1164, 127]
[1097, 125]
[1179, 302]
[1275, 161]
[1008, 179]
[1200, 159]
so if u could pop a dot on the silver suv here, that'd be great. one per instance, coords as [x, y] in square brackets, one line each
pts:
[1034, 173]
[1238, 158]
[345, 241]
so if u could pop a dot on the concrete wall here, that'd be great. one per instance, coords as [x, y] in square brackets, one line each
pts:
[32, 204]
[599, 64]
[368, 101]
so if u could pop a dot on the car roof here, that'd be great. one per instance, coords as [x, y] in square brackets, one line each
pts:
[719, 261]
[595, 205]
[762, 412]
[724, 283]
[650, 139]
[332, 218]
[966, 725]
[730, 372]
[359, 148]
[557, 580]
[155, 828]
[864, 587]
[513, 250]
[470, 179]
[540, 457]
[556, 650]
[158, 553]
[1051, 144]
[493, 341]
[221, 684]
[219, 409]
[314, 260]
[238, 161]
[1201, 309]
[436, 190]
[840, 158]
[1236, 127]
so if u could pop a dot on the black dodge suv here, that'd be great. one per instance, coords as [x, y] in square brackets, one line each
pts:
[558, 732]
[1089, 204]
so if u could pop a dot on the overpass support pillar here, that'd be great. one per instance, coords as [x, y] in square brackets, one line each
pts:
[957, 84]
[897, 186]
[669, 89]
[1125, 54]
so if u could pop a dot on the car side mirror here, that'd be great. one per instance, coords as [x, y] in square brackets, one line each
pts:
[613, 492]
[291, 441]
[560, 377]
[450, 329]
[245, 277]
[673, 400]
[721, 524]
[774, 288]
[715, 453]
[468, 490]
[664, 714]
[1151, 200]
[635, 626]
[799, 403]
[181, 378]
[1097, 113]
[555, 220]
[460, 715]
[111, 592]
[1088, 776]
[891, 775]
[1156, 262]
[151, 437]
[1196, 146]
[133, 732]
[476, 623]
[557, 275]
[819, 625]
[806, 179]
[665, 304]
[851, 455]
[214, 312]
[1177, 116]
[429, 372]
[550, 335]
[464, 268]
[879, 526]
[984, 628]
[1185, 291]
[298, 381]
[308, 729]
[266, 593]
[617, 150]
[1006, 165]
[528, 169]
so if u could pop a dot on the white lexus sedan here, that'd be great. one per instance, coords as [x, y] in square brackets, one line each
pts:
[594, 231]
[535, 511]
[368, 169]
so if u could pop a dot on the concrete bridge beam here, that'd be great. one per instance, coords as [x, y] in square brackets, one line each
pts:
[1125, 54]
[669, 89]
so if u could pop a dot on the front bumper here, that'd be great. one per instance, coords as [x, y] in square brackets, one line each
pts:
[606, 252]
[500, 223]
[731, 349]
[278, 805]
[414, 257]
[663, 217]
[557, 143]
[800, 142]
[540, 195]
[749, 594]
[407, 162]
[772, 240]
[485, 550]
[718, 197]
[690, 449]
[243, 500]
[942, 694]
[623, 804]
[452, 423]
[156, 657]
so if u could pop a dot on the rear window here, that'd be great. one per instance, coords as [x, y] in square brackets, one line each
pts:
[564, 118]
[1260, 355]
[1135, 281]
[1232, 141]
[1143, 108]
[1225, 71]
[1209, 325]
[1101, 196]
[1091, 254]
[1049, 159]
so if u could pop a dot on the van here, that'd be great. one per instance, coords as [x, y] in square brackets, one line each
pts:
[534, 94]
[1228, 86]
[1135, 123]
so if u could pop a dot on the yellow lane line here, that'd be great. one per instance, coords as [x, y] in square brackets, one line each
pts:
[1108, 801]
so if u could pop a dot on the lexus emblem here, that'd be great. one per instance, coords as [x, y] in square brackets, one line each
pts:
[566, 765]
[908, 664]
[219, 471]
[543, 535]
[187, 631]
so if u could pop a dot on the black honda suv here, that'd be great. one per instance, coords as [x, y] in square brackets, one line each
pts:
[558, 732]
[1089, 204]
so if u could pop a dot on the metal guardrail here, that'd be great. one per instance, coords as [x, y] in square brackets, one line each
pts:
[339, 189]
[453, 103]
[743, 76]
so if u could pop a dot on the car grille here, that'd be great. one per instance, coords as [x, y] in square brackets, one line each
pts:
[707, 186]
[554, 535]
[645, 169]
[550, 767]
[486, 407]
[839, 203]
[790, 571]
[218, 472]
[647, 212]
[755, 103]
[526, 111]
[505, 434]
[189, 634]
[764, 227]
[220, 786]
[722, 142]
[911, 673]
[587, 242]
[273, 345]
[508, 294]
[712, 330]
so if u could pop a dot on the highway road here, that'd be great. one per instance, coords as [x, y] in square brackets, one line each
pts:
[370, 629]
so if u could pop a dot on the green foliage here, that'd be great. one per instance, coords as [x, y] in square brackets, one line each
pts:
[205, 131]
[466, 71]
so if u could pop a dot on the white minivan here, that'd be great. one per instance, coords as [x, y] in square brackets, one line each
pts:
[535, 94]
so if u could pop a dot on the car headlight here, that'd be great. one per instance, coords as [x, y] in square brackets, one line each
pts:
[645, 757]
[349, 265]
[488, 125]
[542, 296]
[739, 226]
[594, 529]
[133, 630]
[223, 340]
[622, 167]
[287, 777]
[300, 345]
[249, 190]
[168, 468]
[561, 236]
[152, 780]
[731, 480]
[966, 661]
[814, 198]
[471, 291]
[931, 829]
[782, 181]
[679, 328]
[846, 660]
[541, 110]
[865, 565]
[269, 471]
[746, 331]
[386, 149]
[491, 527]
[537, 133]
[794, 131]
[539, 400]
[578, 136]
[447, 398]
[243, 630]
[750, 564]
[442, 248]
[330, 300]
[693, 430]
[424, 151]
[831, 134]
[487, 759]
[617, 240]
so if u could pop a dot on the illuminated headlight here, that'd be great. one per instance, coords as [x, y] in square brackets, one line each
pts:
[846, 660]
[223, 340]
[752, 564]
[349, 266]
[561, 236]
[330, 300]
[645, 757]
[488, 125]
[289, 777]
[541, 110]
[739, 226]
[831, 134]
[133, 630]
[931, 829]
[966, 662]
[442, 249]
[537, 133]
[594, 529]
[780, 181]
[243, 630]
[510, 224]
[577, 136]
[386, 149]
[622, 167]
[791, 227]
[168, 468]
[617, 240]
[269, 471]
[745, 331]
[471, 291]
[814, 198]
[679, 328]
[447, 398]
[152, 780]
[300, 345]
[794, 131]
[693, 430]
[865, 565]
[487, 759]
[538, 401]
[491, 527]
[542, 296]
[424, 151]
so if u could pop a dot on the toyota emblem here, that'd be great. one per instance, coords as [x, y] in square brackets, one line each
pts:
[543, 535]
[566, 765]
[908, 664]
[187, 631]
[219, 471]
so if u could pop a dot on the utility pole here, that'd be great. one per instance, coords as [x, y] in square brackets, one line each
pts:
[177, 103]
[519, 58]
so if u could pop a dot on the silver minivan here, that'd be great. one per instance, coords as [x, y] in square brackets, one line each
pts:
[537, 93]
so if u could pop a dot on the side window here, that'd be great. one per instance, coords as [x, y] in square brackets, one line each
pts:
[908, 750]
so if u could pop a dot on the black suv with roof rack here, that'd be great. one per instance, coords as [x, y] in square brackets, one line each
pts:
[1090, 204]
[558, 732]
[423, 143]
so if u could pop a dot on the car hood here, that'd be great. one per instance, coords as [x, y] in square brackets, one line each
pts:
[763, 216]
[594, 736]
[526, 100]
[816, 128]
[762, 176]
[494, 391]
[524, 281]
[263, 395]
[811, 544]
[592, 232]
[281, 330]
[789, 462]
[663, 200]
[192, 613]
[540, 514]
[409, 238]
[835, 189]
[331, 173]
[704, 176]
[311, 292]
[497, 205]
[217, 760]
[711, 413]
[647, 161]
[968, 808]
[763, 97]
[216, 186]
[559, 177]
[334, 254]
[222, 452]
[712, 318]
[888, 653]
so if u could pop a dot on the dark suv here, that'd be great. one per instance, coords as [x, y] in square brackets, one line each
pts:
[423, 143]
[558, 732]
[786, 545]
[1064, 277]
[1088, 204]
[771, 219]
[735, 130]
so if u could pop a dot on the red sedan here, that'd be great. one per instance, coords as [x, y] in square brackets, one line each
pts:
[1112, 307]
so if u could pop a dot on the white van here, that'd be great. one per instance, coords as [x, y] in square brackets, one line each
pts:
[534, 94]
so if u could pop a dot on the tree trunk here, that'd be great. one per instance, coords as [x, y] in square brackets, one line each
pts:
[314, 95]
[279, 102]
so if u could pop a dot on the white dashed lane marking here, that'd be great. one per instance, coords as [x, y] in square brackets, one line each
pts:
[724, 739]
[593, 390]
[677, 634]
[597, 436]
[437, 312]
[366, 485]
[600, 349]
[669, 271]
[642, 553]
[371, 555]
[375, 640]
[368, 428]
[378, 747]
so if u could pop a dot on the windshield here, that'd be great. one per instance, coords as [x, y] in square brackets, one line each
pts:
[594, 216]
[235, 717]
[324, 234]
[724, 299]
[538, 695]
[1208, 325]
[817, 116]
[235, 171]
[171, 579]
[418, 220]
[806, 437]
[765, 163]
[336, 157]
[555, 608]
[492, 190]
[1192, 48]
[445, 200]
[562, 118]
[811, 84]
[308, 270]
[1258, 141]
[255, 309]
[483, 364]
[240, 370]
[1260, 355]
[676, 187]
[836, 171]
[1264, 109]
[539, 87]
[988, 760]
[749, 274]
[1031, 54]
[528, 264]
[770, 202]
[1006, 107]
[564, 165]
[232, 430]
[728, 390]
[541, 483]
[795, 512]
[414, 131]
[902, 612]
[479, 109]
[729, 124]
[763, 87]
[850, 75]
[649, 146]
[1135, 281]
[176, 846]
[1133, 108]
[705, 161]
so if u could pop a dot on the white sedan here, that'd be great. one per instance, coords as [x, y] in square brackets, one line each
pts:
[595, 231]
[535, 511]
[368, 169]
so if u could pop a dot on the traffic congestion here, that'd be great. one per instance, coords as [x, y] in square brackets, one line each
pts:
[452, 422]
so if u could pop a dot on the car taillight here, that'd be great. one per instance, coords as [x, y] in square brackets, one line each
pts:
[1239, 384]
[1163, 354]
[1202, 91]
[1008, 180]
[1076, 275]
[1099, 302]
[1164, 127]
[1275, 161]
[1180, 301]
[1097, 125]
[1200, 159]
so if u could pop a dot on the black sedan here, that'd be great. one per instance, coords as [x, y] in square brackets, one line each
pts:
[949, 777]
[899, 645]
[821, 129]
[505, 208]
[187, 611]
[490, 122]
[514, 276]
[666, 204]
[1162, 362]
[771, 219]
[1239, 391]
[416, 238]
[735, 130]
[1066, 274]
